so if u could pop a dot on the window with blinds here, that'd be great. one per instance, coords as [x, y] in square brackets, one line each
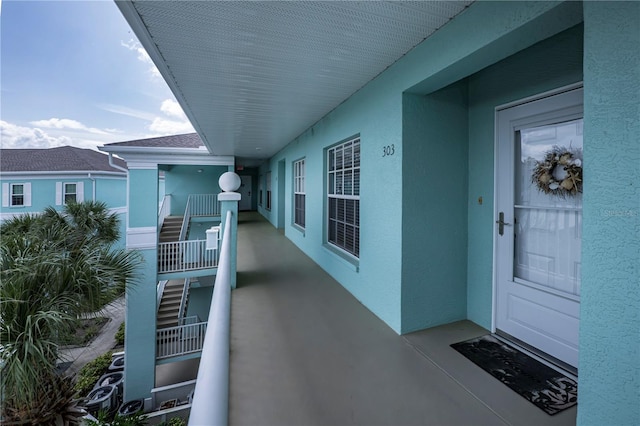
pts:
[298, 193]
[343, 196]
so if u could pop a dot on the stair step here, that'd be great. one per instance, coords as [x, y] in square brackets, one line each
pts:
[172, 296]
[165, 318]
[169, 306]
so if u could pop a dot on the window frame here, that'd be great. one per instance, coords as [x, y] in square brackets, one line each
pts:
[299, 193]
[342, 197]
[13, 195]
[66, 194]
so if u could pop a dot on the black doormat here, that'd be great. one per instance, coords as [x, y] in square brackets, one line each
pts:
[548, 389]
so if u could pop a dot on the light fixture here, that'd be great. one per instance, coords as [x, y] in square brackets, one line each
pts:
[199, 170]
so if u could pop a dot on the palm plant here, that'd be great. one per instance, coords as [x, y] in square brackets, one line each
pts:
[53, 267]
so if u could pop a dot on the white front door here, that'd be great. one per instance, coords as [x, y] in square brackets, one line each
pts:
[245, 193]
[539, 223]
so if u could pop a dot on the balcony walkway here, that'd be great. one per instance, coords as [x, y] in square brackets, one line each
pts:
[305, 352]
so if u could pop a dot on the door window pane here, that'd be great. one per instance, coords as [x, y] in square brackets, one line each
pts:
[548, 225]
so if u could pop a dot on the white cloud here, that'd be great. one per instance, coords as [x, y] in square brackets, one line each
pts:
[173, 109]
[162, 126]
[175, 122]
[143, 56]
[65, 123]
[129, 112]
[14, 136]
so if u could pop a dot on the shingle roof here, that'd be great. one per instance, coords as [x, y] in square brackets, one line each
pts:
[188, 140]
[60, 159]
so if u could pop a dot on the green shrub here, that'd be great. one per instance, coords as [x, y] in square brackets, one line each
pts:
[136, 419]
[91, 373]
[175, 421]
[119, 336]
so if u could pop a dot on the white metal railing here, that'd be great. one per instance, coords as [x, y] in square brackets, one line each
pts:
[183, 299]
[189, 320]
[164, 210]
[204, 204]
[159, 292]
[180, 340]
[186, 220]
[211, 397]
[180, 256]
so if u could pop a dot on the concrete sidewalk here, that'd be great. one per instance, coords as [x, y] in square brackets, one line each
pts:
[104, 342]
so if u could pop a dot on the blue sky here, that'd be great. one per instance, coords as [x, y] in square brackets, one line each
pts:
[73, 73]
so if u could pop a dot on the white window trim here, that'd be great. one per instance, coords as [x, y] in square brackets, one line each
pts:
[7, 194]
[61, 192]
[331, 174]
[299, 174]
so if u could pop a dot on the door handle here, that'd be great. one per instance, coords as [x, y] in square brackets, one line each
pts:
[501, 223]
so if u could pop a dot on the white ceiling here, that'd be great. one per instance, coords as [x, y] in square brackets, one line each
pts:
[252, 76]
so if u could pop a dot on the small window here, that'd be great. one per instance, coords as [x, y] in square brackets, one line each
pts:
[343, 196]
[298, 193]
[268, 190]
[17, 194]
[70, 193]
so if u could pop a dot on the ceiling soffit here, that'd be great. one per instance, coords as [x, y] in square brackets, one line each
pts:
[252, 76]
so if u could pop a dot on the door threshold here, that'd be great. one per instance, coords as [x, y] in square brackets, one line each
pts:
[548, 360]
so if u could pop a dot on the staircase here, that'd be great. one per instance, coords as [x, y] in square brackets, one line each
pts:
[171, 297]
[170, 230]
[169, 308]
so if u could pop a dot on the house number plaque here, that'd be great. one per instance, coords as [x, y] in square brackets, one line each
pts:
[388, 150]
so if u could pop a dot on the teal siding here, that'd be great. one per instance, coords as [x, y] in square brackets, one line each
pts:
[610, 312]
[110, 190]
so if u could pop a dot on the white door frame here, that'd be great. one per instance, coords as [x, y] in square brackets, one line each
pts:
[545, 115]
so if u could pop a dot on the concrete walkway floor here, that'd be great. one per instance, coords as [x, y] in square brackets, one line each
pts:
[304, 351]
[103, 342]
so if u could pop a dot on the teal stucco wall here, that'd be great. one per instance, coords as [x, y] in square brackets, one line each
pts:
[375, 278]
[550, 64]
[609, 376]
[434, 208]
[484, 34]
[180, 181]
[140, 325]
[143, 198]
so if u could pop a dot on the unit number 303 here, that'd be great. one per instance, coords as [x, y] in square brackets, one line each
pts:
[388, 150]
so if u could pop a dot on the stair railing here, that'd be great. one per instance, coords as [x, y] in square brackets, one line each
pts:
[159, 293]
[183, 298]
[164, 210]
[186, 218]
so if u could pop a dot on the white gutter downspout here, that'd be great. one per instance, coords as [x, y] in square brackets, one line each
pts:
[93, 186]
[115, 166]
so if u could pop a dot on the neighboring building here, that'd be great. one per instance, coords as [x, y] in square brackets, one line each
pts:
[417, 187]
[33, 179]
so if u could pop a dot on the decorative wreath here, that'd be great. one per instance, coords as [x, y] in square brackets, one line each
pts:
[560, 173]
